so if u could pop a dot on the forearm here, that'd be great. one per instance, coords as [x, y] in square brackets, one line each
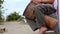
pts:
[50, 21]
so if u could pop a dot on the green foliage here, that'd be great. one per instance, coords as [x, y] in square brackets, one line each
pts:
[21, 18]
[1, 2]
[14, 17]
[0, 15]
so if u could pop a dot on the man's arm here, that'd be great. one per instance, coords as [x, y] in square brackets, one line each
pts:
[50, 21]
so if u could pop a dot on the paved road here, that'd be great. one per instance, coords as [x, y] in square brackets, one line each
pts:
[18, 28]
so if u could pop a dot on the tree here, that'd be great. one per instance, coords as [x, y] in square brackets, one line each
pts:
[14, 17]
[1, 2]
[21, 18]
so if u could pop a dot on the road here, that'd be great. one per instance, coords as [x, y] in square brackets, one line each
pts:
[18, 28]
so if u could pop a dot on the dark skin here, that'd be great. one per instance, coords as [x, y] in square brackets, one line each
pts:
[48, 19]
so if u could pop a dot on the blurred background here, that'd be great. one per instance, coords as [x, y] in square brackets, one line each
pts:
[12, 19]
[13, 6]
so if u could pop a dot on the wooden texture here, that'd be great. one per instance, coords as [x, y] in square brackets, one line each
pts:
[29, 11]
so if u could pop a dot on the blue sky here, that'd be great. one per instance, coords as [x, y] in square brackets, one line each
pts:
[14, 5]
